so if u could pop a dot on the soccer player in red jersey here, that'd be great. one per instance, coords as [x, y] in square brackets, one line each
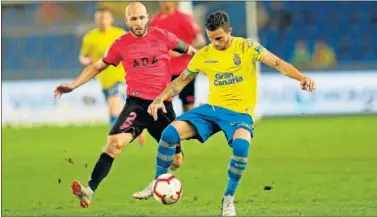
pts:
[185, 28]
[144, 53]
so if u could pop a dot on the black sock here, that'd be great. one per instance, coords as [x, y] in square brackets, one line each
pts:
[178, 149]
[100, 171]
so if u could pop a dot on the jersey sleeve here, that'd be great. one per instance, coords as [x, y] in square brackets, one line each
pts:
[112, 56]
[85, 46]
[255, 50]
[172, 40]
[196, 63]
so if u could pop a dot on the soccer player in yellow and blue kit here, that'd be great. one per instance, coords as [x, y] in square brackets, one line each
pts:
[229, 63]
[112, 80]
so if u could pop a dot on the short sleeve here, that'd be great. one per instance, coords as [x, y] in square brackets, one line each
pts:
[112, 55]
[85, 46]
[255, 50]
[172, 40]
[196, 63]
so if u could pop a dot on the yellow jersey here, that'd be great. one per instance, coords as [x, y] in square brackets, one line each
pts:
[231, 73]
[94, 45]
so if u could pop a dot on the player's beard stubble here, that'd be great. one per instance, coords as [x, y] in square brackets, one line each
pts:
[225, 45]
[139, 31]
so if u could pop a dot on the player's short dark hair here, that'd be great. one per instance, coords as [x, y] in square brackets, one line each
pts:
[104, 9]
[218, 19]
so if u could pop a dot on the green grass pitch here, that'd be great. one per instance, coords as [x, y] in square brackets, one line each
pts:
[316, 166]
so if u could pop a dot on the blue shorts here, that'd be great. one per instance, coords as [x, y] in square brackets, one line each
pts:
[119, 88]
[208, 120]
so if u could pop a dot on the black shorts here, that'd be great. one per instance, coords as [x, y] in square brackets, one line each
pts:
[187, 95]
[134, 118]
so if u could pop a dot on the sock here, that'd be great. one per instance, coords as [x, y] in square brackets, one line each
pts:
[237, 165]
[113, 119]
[100, 171]
[166, 150]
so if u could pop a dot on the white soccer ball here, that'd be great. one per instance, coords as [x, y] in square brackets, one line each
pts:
[167, 189]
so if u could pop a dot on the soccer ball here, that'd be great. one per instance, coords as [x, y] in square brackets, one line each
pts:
[167, 189]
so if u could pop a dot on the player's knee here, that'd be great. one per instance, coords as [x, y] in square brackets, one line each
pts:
[115, 145]
[242, 133]
[170, 136]
[240, 147]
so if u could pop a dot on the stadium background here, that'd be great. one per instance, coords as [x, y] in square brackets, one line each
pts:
[315, 164]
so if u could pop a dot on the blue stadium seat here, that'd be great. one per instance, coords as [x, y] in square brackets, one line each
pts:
[329, 21]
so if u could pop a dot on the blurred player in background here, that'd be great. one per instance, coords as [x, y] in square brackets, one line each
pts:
[230, 65]
[112, 80]
[185, 28]
[144, 53]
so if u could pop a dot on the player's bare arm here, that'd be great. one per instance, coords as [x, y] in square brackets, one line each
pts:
[289, 70]
[173, 89]
[88, 73]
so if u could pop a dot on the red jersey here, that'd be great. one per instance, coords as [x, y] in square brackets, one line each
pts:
[146, 61]
[184, 27]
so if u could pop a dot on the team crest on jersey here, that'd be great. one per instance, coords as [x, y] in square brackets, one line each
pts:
[236, 59]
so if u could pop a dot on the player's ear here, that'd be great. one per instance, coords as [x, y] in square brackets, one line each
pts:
[125, 20]
[230, 30]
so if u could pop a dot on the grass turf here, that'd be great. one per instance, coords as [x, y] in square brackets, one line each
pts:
[316, 166]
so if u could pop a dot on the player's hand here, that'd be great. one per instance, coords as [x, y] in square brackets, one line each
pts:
[63, 88]
[308, 84]
[155, 106]
[191, 51]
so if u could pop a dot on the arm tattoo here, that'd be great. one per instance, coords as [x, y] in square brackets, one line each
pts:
[175, 89]
[279, 64]
[176, 86]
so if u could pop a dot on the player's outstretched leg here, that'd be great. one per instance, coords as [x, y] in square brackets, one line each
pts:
[172, 135]
[165, 156]
[116, 143]
[84, 194]
[235, 170]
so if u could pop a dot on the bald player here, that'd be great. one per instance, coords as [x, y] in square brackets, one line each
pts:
[94, 45]
[144, 54]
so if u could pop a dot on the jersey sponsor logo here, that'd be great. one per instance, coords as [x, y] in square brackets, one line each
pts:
[236, 59]
[145, 61]
[228, 78]
[211, 61]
